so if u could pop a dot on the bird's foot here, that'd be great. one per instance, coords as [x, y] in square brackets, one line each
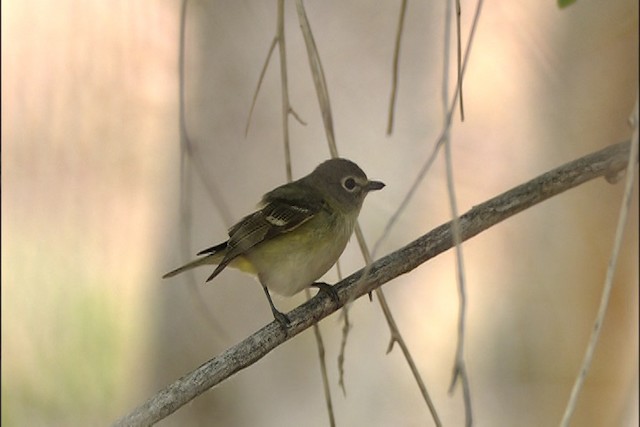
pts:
[327, 289]
[281, 318]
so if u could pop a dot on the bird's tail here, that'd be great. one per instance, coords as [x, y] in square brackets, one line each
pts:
[214, 256]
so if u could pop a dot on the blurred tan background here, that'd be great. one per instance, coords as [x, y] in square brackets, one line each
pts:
[91, 213]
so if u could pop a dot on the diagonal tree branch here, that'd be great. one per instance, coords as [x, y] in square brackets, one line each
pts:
[607, 162]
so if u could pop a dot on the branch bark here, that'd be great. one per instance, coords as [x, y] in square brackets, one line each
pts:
[608, 162]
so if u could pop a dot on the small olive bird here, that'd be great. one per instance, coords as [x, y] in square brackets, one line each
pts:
[298, 233]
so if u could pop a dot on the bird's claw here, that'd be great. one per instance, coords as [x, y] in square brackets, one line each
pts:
[327, 289]
[282, 319]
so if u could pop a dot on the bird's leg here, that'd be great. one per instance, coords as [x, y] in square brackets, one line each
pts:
[327, 289]
[280, 317]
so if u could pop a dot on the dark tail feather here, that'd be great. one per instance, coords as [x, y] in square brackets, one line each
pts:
[209, 253]
[225, 261]
[198, 262]
[219, 268]
[213, 249]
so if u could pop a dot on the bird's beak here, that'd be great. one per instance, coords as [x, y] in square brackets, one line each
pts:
[374, 185]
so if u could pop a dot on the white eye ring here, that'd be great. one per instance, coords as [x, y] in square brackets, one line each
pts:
[349, 184]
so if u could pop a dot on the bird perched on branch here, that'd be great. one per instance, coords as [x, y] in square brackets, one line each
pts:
[298, 233]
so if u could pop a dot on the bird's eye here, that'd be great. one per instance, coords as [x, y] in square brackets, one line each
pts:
[349, 184]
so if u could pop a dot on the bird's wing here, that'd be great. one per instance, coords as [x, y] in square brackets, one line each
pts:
[277, 217]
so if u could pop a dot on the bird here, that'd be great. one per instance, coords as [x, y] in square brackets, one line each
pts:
[296, 235]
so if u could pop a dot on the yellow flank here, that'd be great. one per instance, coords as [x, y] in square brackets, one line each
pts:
[243, 264]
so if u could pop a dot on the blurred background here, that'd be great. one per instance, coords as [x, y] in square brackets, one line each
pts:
[92, 216]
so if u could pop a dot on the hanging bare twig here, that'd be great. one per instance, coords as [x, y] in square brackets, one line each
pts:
[346, 327]
[459, 366]
[396, 60]
[422, 173]
[318, 77]
[286, 110]
[608, 283]
[325, 107]
[459, 57]
[187, 158]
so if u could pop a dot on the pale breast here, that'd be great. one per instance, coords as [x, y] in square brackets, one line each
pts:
[292, 262]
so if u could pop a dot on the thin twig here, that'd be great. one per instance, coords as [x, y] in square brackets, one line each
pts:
[459, 365]
[459, 59]
[608, 283]
[322, 92]
[186, 156]
[427, 165]
[323, 367]
[446, 48]
[459, 368]
[483, 216]
[447, 125]
[395, 335]
[286, 110]
[325, 106]
[396, 60]
[346, 327]
[260, 79]
[286, 105]
[187, 148]
[318, 77]
[439, 143]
